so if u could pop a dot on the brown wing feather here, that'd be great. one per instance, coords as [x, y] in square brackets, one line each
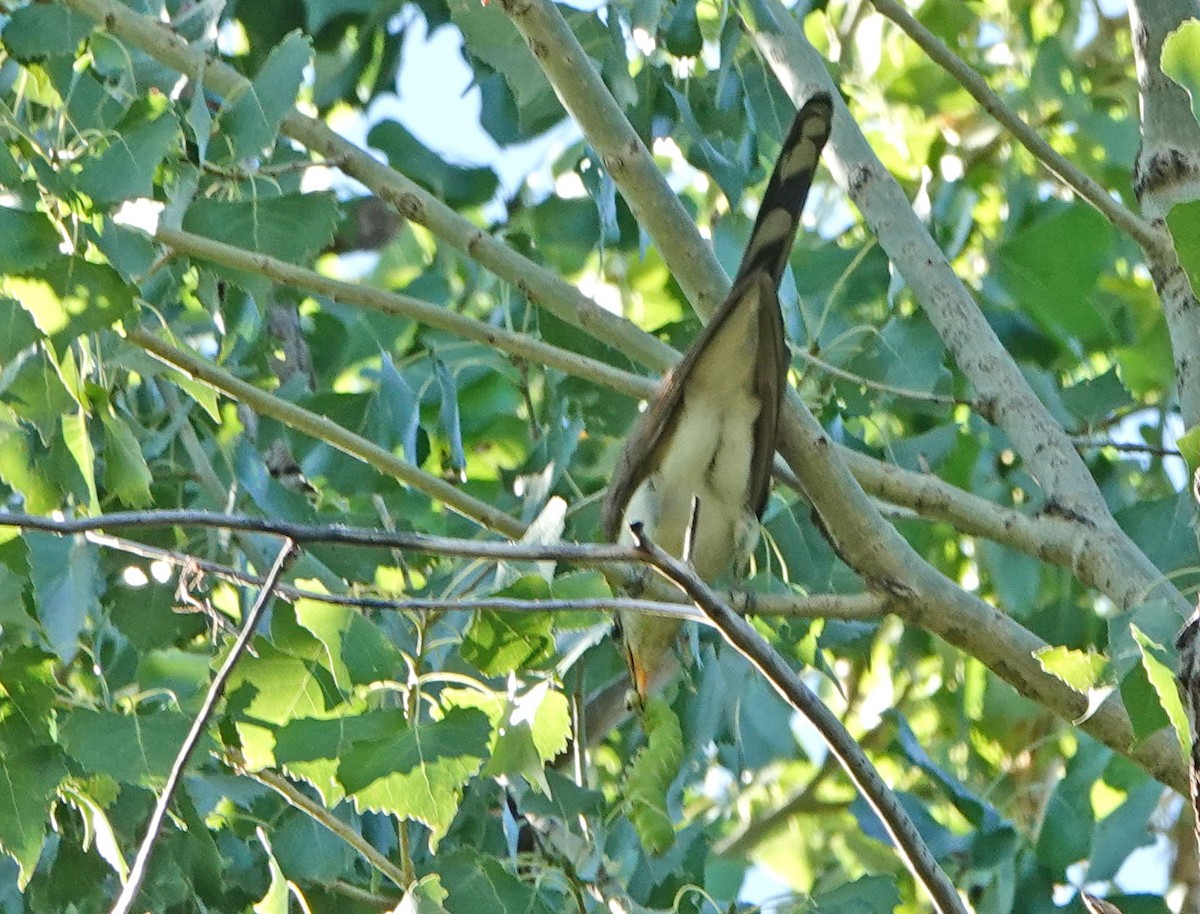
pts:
[762, 264]
[771, 380]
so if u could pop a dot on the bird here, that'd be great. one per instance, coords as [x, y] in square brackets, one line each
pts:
[708, 434]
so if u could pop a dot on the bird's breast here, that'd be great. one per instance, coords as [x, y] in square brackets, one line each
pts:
[708, 456]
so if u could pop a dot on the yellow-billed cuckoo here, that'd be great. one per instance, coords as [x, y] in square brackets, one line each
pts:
[709, 432]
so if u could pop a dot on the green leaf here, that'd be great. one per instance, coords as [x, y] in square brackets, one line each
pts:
[65, 575]
[19, 469]
[650, 775]
[698, 145]
[27, 696]
[425, 896]
[456, 185]
[448, 416]
[79, 443]
[131, 748]
[291, 227]
[1050, 268]
[419, 771]
[357, 652]
[312, 748]
[319, 13]
[126, 473]
[865, 895]
[17, 330]
[489, 35]
[1183, 220]
[680, 30]
[306, 849]
[279, 688]
[30, 777]
[126, 168]
[395, 411]
[69, 296]
[581, 585]
[1181, 62]
[1146, 712]
[1080, 670]
[275, 900]
[500, 643]
[199, 119]
[1069, 820]
[529, 729]
[27, 240]
[249, 122]
[474, 882]
[1162, 679]
[1123, 830]
[44, 30]
[1189, 445]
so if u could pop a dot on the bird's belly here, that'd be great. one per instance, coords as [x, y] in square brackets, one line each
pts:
[708, 458]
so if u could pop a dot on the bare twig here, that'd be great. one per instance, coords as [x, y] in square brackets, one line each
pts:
[320, 814]
[324, 429]
[331, 533]
[838, 606]
[738, 632]
[1137, 228]
[518, 345]
[413, 604]
[905, 392]
[1127, 447]
[137, 872]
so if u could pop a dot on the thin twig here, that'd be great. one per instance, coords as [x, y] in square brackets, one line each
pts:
[325, 429]
[137, 873]
[385, 903]
[854, 606]
[413, 604]
[320, 814]
[1127, 447]
[584, 553]
[517, 345]
[905, 392]
[1137, 228]
[738, 632]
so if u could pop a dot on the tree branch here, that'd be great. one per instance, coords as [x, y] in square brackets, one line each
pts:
[543, 287]
[1007, 398]
[325, 817]
[739, 633]
[656, 207]
[1004, 395]
[326, 430]
[137, 873]
[518, 345]
[1145, 234]
[924, 597]
[1171, 137]
[1167, 172]
[839, 606]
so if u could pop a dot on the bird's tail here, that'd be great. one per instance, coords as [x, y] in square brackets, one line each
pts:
[779, 215]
